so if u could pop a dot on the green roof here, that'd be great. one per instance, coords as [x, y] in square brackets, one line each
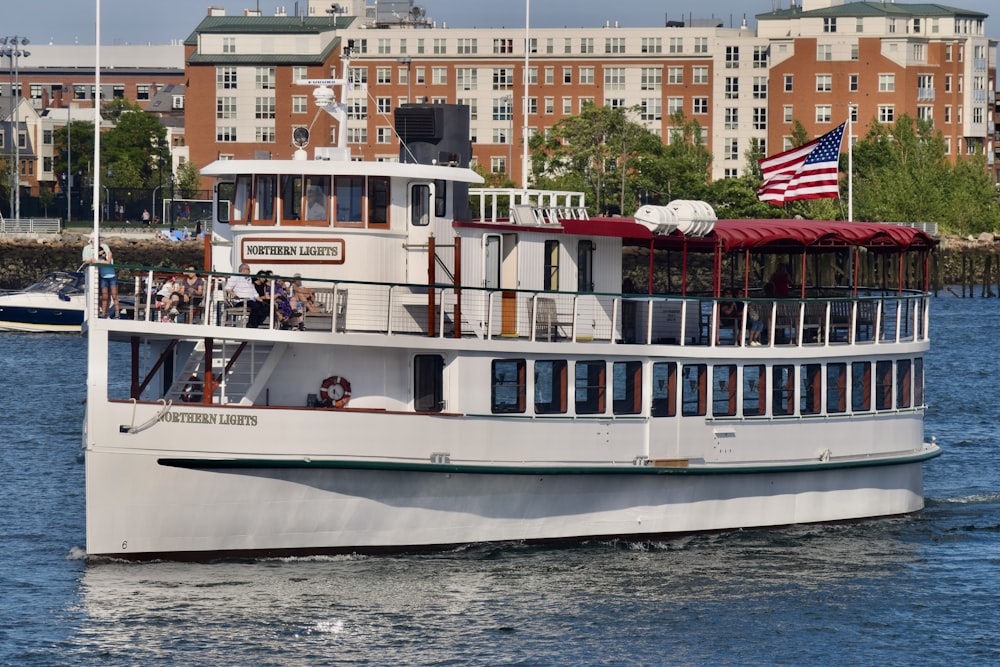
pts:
[275, 25]
[889, 9]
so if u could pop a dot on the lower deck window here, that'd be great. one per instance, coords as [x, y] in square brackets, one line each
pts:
[550, 387]
[724, 390]
[754, 391]
[428, 383]
[810, 393]
[627, 392]
[664, 403]
[783, 392]
[590, 387]
[861, 386]
[883, 385]
[836, 388]
[508, 395]
[693, 392]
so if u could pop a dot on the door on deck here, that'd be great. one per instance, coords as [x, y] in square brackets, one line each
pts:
[500, 264]
[419, 232]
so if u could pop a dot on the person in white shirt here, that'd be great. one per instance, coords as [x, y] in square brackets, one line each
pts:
[241, 291]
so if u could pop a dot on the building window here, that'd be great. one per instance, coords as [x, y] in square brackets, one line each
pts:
[700, 45]
[225, 134]
[440, 46]
[760, 57]
[503, 46]
[675, 75]
[567, 74]
[651, 78]
[355, 135]
[824, 83]
[852, 82]
[614, 78]
[824, 52]
[732, 149]
[886, 113]
[652, 109]
[229, 45]
[439, 76]
[760, 87]
[699, 105]
[651, 45]
[587, 45]
[788, 83]
[503, 78]
[383, 105]
[886, 83]
[225, 108]
[300, 103]
[787, 113]
[550, 76]
[760, 118]
[675, 45]
[383, 135]
[586, 75]
[947, 113]
[264, 107]
[142, 91]
[383, 75]
[468, 46]
[225, 78]
[732, 87]
[732, 57]
[264, 78]
[675, 105]
[732, 118]
[614, 45]
[467, 78]
[829, 24]
[264, 135]
[699, 75]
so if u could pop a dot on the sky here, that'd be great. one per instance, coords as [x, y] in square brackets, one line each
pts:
[162, 22]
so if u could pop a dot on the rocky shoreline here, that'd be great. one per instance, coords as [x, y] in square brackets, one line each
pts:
[24, 260]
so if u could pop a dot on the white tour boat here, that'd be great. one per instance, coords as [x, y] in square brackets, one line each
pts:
[478, 373]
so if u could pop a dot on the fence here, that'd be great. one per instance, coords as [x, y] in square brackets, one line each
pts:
[30, 226]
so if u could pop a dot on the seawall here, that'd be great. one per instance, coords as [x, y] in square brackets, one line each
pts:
[25, 260]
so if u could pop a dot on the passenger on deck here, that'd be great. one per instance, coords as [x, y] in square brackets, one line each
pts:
[729, 314]
[305, 296]
[755, 324]
[194, 291]
[241, 291]
[315, 204]
[780, 281]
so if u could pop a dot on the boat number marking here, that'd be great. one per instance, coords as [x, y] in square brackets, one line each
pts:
[124, 545]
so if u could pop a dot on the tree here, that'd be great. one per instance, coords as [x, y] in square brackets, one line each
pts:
[188, 180]
[134, 148]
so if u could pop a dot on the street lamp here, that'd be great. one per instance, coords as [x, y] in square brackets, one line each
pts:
[408, 61]
[152, 211]
[508, 101]
[11, 47]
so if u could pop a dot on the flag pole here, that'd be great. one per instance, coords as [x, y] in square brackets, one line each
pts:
[850, 166]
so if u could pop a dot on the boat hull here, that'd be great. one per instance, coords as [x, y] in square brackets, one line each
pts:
[33, 318]
[143, 506]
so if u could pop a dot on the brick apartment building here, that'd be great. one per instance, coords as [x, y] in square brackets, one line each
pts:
[818, 62]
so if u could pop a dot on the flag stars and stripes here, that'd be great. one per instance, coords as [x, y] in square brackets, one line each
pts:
[809, 171]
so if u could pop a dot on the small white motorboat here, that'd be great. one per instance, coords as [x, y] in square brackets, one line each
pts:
[55, 303]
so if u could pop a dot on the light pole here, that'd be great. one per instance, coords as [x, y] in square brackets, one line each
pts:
[152, 212]
[408, 61]
[508, 101]
[11, 47]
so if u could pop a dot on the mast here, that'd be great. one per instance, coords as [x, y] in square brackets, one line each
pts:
[524, 99]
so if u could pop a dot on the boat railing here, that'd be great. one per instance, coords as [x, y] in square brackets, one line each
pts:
[833, 317]
[527, 206]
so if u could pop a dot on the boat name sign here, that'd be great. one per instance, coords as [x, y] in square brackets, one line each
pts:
[220, 418]
[309, 251]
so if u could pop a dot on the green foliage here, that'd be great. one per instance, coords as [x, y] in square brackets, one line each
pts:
[188, 180]
[902, 174]
[620, 164]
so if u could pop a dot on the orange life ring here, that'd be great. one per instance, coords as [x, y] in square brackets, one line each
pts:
[335, 391]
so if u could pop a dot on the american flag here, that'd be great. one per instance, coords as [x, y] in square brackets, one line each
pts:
[808, 171]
